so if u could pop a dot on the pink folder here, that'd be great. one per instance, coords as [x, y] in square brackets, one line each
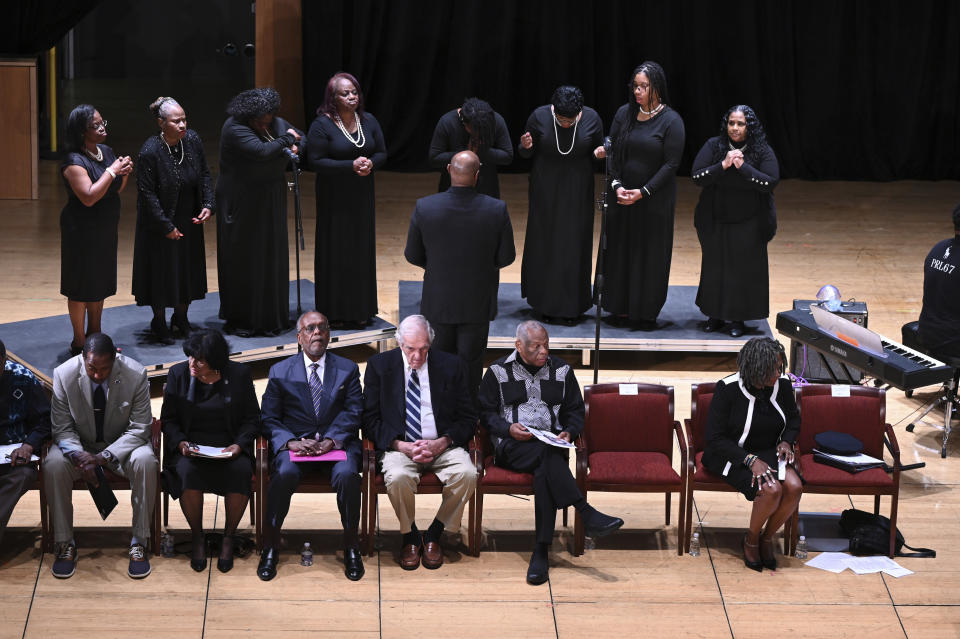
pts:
[332, 456]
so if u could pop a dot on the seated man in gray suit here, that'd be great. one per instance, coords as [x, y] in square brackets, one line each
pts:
[100, 417]
[24, 420]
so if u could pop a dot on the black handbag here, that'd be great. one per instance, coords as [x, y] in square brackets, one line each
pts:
[869, 534]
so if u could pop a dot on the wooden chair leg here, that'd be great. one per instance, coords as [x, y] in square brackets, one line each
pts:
[894, 498]
[166, 510]
[667, 522]
[478, 528]
[155, 541]
[681, 521]
[565, 517]
[579, 541]
[471, 525]
[688, 531]
[876, 504]
[46, 536]
[371, 520]
[253, 509]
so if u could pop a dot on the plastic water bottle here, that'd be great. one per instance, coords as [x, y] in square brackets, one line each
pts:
[306, 555]
[167, 547]
[801, 548]
[695, 545]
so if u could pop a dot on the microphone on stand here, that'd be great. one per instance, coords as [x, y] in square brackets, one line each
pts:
[607, 144]
[291, 155]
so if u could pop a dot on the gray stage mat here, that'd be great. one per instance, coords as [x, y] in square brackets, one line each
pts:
[43, 344]
[680, 320]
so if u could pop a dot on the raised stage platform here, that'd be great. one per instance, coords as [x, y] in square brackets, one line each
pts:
[43, 344]
[680, 320]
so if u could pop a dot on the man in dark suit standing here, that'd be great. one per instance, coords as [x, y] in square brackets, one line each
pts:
[461, 239]
[418, 410]
[312, 405]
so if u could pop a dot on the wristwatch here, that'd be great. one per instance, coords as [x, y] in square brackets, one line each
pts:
[108, 457]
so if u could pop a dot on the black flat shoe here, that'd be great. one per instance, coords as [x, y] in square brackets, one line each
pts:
[539, 569]
[712, 325]
[737, 329]
[752, 565]
[180, 324]
[267, 568]
[767, 555]
[353, 564]
[159, 328]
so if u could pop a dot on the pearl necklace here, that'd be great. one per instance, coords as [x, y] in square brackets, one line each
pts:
[556, 135]
[170, 148]
[98, 157]
[361, 138]
[651, 111]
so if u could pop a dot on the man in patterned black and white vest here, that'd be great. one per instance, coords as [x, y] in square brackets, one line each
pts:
[24, 420]
[528, 390]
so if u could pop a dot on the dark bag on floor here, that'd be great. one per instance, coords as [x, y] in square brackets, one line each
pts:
[869, 534]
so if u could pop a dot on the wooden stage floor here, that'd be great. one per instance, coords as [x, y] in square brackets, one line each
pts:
[868, 239]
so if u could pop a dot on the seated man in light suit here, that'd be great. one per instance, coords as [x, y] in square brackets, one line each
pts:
[100, 416]
[24, 420]
[313, 404]
[418, 411]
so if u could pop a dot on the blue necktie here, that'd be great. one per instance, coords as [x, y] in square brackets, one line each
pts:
[316, 388]
[413, 407]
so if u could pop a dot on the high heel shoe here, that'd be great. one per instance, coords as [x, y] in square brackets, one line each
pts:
[767, 555]
[199, 564]
[752, 565]
[225, 564]
[180, 324]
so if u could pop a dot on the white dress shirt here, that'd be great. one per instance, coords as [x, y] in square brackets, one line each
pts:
[428, 426]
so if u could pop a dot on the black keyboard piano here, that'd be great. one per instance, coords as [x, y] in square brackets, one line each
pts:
[903, 367]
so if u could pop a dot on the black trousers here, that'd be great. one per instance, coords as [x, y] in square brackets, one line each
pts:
[14, 482]
[469, 341]
[285, 477]
[553, 484]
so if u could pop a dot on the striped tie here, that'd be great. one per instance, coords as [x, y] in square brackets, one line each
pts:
[413, 407]
[316, 388]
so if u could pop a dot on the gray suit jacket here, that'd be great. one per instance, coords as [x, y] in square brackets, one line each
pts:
[126, 423]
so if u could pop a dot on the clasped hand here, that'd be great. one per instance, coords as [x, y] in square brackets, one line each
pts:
[628, 196]
[87, 464]
[310, 447]
[362, 166]
[423, 451]
[734, 157]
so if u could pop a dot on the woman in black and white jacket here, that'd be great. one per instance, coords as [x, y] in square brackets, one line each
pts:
[752, 424]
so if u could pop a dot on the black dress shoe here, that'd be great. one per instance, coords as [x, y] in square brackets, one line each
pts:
[596, 524]
[539, 569]
[353, 564]
[267, 568]
[737, 329]
[767, 555]
[159, 328]
[181, 324]
[712, 325]
[752, 565]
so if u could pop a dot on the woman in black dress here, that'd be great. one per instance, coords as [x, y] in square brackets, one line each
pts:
[345, 147]
[563, 138]
[752, 425]
[253, 263]
[647, 145]
[209, 400]
[476, 127]
[93, 176]
[735, 219]
[174, 199]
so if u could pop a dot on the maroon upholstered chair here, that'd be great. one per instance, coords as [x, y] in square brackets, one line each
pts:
[429, 485]
[310, 482]
[493, 480]
[627, 446]
[698, 477]
[862, 414]
[117, 482]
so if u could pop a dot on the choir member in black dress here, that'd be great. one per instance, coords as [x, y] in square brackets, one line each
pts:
[476, 127]
[93, 176]
[345, 146]
[563, 138]
[253, 265]
[174, 199]
[209, 400]
[735, 219]
[647, 145]
[752, 424]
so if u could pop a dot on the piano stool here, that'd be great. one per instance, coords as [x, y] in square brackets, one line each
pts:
[948, 392]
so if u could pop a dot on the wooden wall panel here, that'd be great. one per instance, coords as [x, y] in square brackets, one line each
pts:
[18, 121]
[279, 43]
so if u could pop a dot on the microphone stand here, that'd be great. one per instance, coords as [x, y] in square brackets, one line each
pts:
[601, 256]
[298, 223]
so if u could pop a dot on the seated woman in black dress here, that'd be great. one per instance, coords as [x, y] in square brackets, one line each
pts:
[210, 401]
[752, 424]
[174, 199]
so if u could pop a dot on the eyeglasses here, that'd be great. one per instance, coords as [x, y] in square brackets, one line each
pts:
[310, 328]
[96, 126]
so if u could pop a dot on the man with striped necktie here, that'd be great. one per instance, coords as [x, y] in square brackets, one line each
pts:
[313, 404]
[418, 411]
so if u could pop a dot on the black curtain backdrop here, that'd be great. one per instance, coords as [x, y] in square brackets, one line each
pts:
[846, 89]
[29, 27]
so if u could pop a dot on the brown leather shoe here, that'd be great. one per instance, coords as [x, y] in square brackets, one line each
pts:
[432, 555]
[410, 557]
